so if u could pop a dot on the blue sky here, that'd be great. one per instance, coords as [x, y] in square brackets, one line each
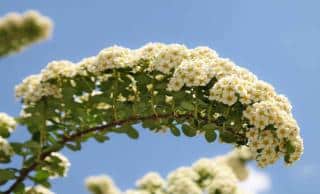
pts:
[277, 40]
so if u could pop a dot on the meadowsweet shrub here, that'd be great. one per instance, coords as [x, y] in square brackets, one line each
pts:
[207, 175]
[20, 30]
[161, 87]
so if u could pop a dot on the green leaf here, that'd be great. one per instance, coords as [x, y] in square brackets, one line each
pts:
[210, 136]
[18, 148]
[41, 175]
[74, 147]
[101, 138]
[151, 124]
[33, 146]
[19, 189]
[175, 131]
[227, 137]
[131, 132]
[4, 133]
[6, 174]
[187, 105]
[289, 147]
[189, 131]
[210, 126]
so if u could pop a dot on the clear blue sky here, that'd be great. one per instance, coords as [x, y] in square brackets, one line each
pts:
[277, 40]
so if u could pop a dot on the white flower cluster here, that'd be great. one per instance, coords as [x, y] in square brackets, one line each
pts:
[7, 123]
[38, 190]
[101, 185]
[263, 115]
[5, 149]
[33, 89]
[236, 160]
[151, 182]
[217, 175]
[268, 114]
[57, 165]
[17, 19]
[23, 29]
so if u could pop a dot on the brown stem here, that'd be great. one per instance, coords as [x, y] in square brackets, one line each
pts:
[25, 171]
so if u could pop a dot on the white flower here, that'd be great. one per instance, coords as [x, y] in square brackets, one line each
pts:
[18, 25]
[183, 185]
[56, 69]
[7, 123]
[114, 57]
[169, 57]
[57, 165]
[185, 172]
[222, 186]
[101, 185]
[38, 190]
[132, 191]
[151, 182]
[5, 149]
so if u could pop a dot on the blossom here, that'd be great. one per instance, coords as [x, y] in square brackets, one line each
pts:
[101, 185]
[6, 150]
[207, 175]
[38, 189]
[114, 57]
[184, 185]
[183, 172]
[151, 182]
[16, 28]
[57, 165]
[57, 69]
[7, 123]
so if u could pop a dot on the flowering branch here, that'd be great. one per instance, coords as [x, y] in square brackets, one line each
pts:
[25, 171]
[161, 87]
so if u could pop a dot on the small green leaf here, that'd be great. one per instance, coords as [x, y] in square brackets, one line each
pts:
[187, 105]
[41, 176]
[227, 137]
[209, 126]
[175, 131]
[74, 146]
[210, 136]
[19, 189]
[289, 147]
[189, 131]
[33, 146]
[6, 174]
[131, 132]
[101, 138]
[4, 133]
[17, 148]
